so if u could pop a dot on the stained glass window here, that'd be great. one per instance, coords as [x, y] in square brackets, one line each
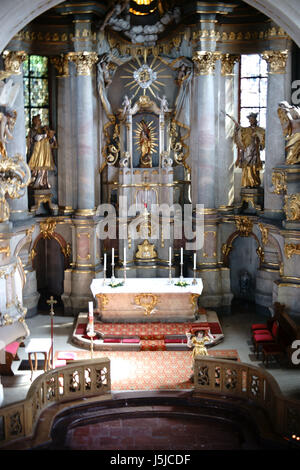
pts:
[36, 92]
[253, 89]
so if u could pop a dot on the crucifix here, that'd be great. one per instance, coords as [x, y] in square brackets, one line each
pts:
[51, 302]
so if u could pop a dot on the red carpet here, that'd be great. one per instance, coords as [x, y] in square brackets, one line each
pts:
[151, 370]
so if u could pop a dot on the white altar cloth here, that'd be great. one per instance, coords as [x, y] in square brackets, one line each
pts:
[147, 285]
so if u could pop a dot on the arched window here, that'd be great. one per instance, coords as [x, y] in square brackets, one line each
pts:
[253, 89]
[36, 90]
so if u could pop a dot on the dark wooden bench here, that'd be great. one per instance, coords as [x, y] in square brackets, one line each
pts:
[11, 354]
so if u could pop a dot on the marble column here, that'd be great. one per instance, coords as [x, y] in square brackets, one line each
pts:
[66, 148]
[226, 149]
[13, 63]
[84, 62]
[203, 137]
[275, 142]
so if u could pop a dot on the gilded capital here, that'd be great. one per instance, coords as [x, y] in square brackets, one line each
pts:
[205, 62]
[84, 61]
[227, 63]
[61, 63]
[276, 60]
[13, 61]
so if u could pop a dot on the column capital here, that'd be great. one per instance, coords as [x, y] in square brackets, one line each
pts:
[13, 61]
[61, 63]
[84, 61]
[227, 63]
[204, 62]
[276, 61]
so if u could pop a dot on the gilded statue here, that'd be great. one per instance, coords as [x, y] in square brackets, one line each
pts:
[145, 140]
[290, 122]
[40, 142]
[197, 340]
[7, 123]
[250, 141]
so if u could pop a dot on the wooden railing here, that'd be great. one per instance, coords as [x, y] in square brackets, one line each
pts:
[71, 382]
[252, 383]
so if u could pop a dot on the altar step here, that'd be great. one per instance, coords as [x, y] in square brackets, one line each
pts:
[157, 336]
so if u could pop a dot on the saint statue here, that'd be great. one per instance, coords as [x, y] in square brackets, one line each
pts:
[290, 122]
[40, 142]
[250, 141]
[145, 145]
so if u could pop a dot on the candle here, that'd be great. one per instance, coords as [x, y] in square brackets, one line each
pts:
[112, 257]
[181, 255]
[124, 256]
[194, 260]
[170, 255]
[91, 311]
[104, 261]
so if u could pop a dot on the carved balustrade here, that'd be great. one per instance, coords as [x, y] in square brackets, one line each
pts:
[252, 383]
[77, 380]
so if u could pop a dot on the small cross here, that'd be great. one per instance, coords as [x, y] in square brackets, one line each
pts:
[51, 302]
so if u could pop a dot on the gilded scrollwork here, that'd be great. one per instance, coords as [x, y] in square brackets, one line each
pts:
[292, 207]
[61, 63]
[264, 233]
[147, 301]
[47, 228]
[279, 182]
[244, 226]
[13, 61]
[146, 251]
[292, 249]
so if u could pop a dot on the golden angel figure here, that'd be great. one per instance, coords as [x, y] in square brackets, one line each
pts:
[145, 146]
[250, 141]
[198, 342]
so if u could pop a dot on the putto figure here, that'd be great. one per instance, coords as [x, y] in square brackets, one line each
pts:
[250, 141]
[197, 340]
[40, 142]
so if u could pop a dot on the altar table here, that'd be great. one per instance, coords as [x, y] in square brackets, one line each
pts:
[147, 299]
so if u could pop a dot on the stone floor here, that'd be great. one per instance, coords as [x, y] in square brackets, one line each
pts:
[236, 329]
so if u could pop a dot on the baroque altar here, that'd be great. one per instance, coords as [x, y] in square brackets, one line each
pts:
[147, 300]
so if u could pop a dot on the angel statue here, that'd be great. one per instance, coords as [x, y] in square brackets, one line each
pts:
[250, 141]
[7, 123]
[164, 106]
[290, 122]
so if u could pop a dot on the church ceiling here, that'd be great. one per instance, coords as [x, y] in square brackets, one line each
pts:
[140, 21]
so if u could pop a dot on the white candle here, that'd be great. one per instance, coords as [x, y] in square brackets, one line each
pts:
[181, 255]
[91, 311]
[170, 255]
[104, 261]
[112, 256]
[124, 256]
[194, 260]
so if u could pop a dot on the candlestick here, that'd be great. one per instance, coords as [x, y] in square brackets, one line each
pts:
[181, 264]
[124, 255]
[113, 257]
[104, 270]
[170, 256]
[104, 261]
[194, 260]
[90, 328]
[181, 255]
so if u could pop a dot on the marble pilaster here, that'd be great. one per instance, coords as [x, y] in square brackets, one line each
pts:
[86, 160]
[66, 147]
[275, 144]
[226, 149]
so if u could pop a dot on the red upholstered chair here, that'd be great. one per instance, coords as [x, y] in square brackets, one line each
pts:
[261, 337]
[262, 326]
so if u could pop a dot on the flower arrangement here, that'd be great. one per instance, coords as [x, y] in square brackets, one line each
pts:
[182, 283]
[116, 284]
